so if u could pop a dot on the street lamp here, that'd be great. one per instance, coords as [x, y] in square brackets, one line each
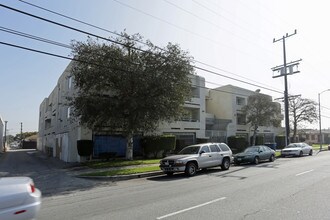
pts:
[321, 139]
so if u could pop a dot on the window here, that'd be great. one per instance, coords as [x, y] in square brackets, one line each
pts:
[70, 82]
[241, 119]
[205, 149]
[240, 101]
[224, 147]
[214, 148]
[69, 112]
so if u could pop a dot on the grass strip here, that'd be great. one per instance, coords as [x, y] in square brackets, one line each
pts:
[119, 163]
[124, 171]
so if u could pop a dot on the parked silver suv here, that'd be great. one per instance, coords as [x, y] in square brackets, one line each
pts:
[199, 156]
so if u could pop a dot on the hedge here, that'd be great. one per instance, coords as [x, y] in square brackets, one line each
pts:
[154, 145]
[237, 143]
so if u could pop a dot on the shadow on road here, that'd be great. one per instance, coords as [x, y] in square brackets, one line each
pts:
[51, 175]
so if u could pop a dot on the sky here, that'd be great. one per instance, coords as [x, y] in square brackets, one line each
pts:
[231, 38]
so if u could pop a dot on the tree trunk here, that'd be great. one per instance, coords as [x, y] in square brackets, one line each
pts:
[294, 132]
[129, 147]
[254, 135]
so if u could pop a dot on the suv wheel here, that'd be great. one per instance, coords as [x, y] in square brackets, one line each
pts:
[225, 164]
[191, 169]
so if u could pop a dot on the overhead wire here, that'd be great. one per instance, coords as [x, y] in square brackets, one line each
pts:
[100, 28]
[116, 42]
[187, 30]
[64, 45]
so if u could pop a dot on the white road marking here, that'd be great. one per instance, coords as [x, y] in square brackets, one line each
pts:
[188, 209]
[304, 172]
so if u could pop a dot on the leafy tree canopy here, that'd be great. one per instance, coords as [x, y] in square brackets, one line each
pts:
[25, 135]
[262, 111]
[129, 88]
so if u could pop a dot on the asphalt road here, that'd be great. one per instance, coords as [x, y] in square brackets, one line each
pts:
[52, 176]
[289, 188]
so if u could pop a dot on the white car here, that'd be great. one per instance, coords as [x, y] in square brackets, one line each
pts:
[19, 199]
[297, 149]
[196, 157]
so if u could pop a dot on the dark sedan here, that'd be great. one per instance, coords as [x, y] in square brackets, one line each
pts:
[255, 154]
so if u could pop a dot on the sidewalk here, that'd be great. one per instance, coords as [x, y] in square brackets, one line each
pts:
[78, 170]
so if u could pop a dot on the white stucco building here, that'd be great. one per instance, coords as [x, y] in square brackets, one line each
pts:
[191, 128]
[58, 132]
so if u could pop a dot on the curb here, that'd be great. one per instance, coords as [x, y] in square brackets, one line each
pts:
[124, 177]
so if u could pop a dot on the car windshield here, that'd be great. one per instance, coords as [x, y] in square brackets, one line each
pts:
[293, 146]
[251, 149]
[190, 150]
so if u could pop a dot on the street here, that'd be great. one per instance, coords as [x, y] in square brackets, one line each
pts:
[289, 188]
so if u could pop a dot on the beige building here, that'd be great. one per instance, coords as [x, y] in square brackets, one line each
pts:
[226, 103]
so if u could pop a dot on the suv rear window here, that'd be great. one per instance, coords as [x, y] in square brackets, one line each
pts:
[224, 147]
[214, 148]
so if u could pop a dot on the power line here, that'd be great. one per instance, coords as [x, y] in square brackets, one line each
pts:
[228, 77]
[11, 31]
[100, 28]
[87, 62]
[68, 27]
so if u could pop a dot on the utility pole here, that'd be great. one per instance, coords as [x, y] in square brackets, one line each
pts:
[285, 70]
[21, 131]
[4, 149]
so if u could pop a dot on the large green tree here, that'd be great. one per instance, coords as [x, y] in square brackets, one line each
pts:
[301, 110]
[260, 110]
[24, 135]
[129, 88]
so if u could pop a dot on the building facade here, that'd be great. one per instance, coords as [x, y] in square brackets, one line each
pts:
[59, 132]
[211, 115]
[226, 103]
[191, 128]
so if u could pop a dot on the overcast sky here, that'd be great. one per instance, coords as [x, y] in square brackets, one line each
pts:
[234, 36]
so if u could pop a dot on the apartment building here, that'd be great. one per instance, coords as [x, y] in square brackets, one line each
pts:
[225, 104]
[191, 128]
[59, 132]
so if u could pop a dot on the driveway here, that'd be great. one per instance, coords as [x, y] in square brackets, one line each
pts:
[51, 176]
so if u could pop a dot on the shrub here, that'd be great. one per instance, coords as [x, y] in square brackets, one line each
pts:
[155, 145]
[259, 140]
[237, 143]
[85, 147]
[280, 141]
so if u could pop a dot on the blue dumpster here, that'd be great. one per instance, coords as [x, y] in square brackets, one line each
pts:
[271, 145]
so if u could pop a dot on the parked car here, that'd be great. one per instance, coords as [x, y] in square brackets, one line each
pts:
[195, 157]
[297, 149]
[19, 198]
[255, 154]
